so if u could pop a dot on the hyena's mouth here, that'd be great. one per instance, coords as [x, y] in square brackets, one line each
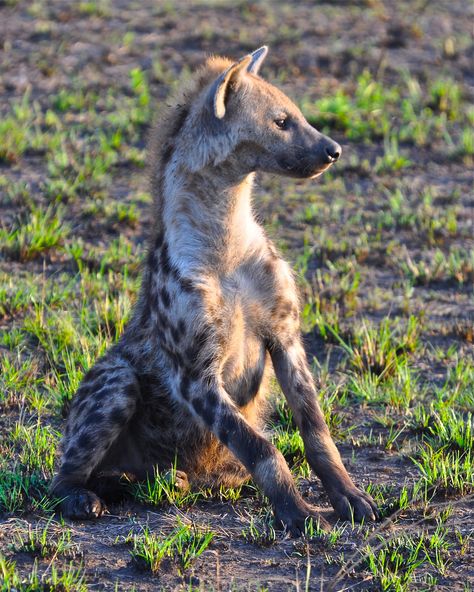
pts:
[320, 171]
[301, 169]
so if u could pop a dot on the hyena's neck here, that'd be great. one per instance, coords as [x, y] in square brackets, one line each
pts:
[207, 219]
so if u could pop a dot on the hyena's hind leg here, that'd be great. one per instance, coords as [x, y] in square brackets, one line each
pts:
[103, 405]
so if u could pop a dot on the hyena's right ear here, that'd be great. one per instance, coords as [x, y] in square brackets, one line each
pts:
[220, 89]
[257, 59]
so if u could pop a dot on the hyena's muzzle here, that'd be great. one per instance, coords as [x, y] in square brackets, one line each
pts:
[311, 156]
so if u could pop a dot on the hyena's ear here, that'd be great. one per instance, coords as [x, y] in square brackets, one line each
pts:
[257, 59]
[220, 88]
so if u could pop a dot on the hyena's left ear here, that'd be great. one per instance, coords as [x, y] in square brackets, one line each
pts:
[257, 59]
[220, 88]
[219, 91]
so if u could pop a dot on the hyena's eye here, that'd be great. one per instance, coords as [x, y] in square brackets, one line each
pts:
[282, 123]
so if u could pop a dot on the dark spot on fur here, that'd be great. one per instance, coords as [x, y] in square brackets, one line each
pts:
[94, 418]
[94, 373]
[174, 356]
[153, 259]
[165, 297]
[69, 467]
[162, 320]
[132, 391]
[198, 405]
[175, 334]
[226, 426]
[84, 440]
[167, 152]
[80, 406]
[154, 298]
[255, 381]
[190, 354]
[211, 398]
[165, 260]
[193, 351]
[159, 241]
[82, 392]
[129, 353]
[203, 410]
[194, 372]
[145, 312]
[184, 386]
[175, 274]
[104, 391]
[71, 451]
[118, 416]
[186, 285]
[196, 362]
[268, 267]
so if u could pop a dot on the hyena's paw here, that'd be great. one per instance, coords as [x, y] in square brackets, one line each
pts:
[181, 481]
[293, 517]
[354, 504]
[178, 479]
[81, 504]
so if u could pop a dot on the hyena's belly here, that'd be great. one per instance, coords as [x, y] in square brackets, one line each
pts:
[244, 366]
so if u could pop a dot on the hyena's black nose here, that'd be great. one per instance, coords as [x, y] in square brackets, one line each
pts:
[333, 151]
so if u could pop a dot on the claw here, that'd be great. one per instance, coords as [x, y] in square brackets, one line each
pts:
[294, 520]
[82, 504]
[355, 504]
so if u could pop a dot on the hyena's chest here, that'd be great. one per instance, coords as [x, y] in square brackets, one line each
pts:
[245, 357]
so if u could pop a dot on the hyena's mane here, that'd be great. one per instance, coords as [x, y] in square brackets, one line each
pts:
[169, 122]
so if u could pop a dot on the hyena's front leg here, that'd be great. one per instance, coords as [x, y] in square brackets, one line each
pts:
[101, 408]
[213, 406]
[294, 376]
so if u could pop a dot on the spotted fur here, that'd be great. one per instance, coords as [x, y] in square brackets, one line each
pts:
[218, 308]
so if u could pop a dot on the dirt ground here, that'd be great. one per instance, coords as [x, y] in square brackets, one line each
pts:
[51, 48]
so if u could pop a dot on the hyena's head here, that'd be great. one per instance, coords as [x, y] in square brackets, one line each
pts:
[240, 115]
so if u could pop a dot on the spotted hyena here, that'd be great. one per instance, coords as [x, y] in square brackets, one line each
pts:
[218, 308]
